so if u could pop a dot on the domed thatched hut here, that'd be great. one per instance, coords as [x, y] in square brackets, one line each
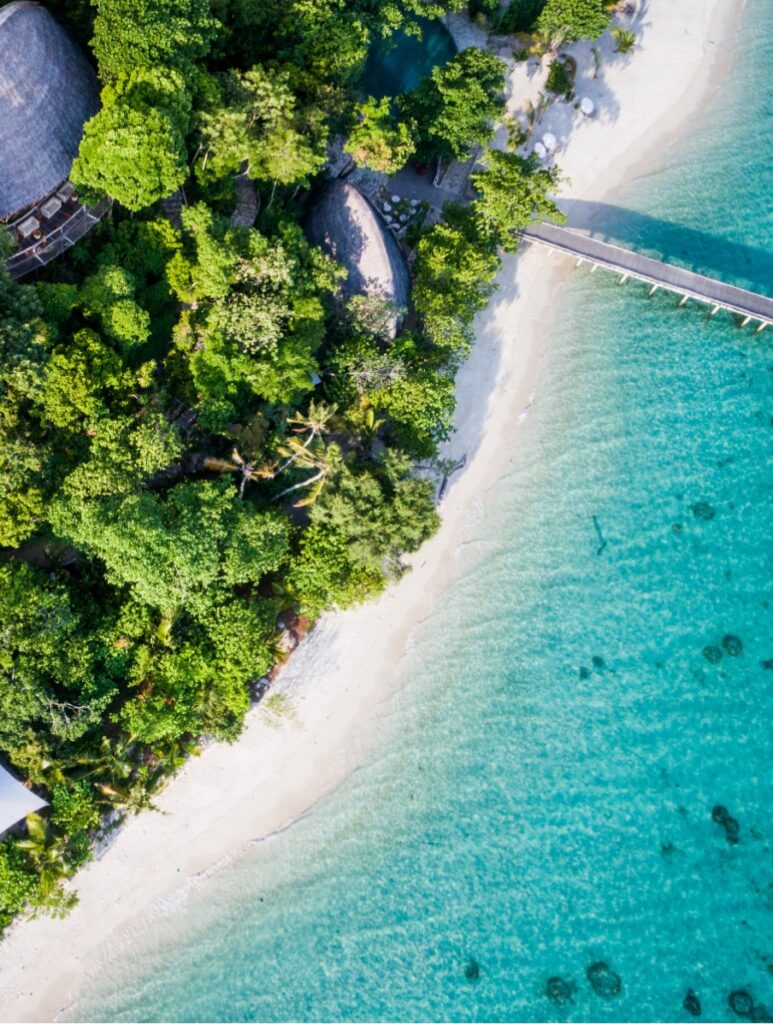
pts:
[48, 91]
[345, 225]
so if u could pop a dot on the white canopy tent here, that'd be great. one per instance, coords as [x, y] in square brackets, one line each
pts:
[16, 801]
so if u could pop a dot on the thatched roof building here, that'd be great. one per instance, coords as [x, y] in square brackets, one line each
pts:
[345, 225]
[48, 90]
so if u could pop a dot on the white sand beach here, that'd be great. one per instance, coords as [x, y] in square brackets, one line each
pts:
[340, 678]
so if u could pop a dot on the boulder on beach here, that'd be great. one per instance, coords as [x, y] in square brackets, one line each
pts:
[343, 223]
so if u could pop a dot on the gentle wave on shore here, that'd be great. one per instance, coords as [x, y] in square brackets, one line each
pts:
[576, 705]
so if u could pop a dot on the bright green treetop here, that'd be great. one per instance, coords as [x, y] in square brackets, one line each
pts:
[565, 20]
[255, 117]
[455, 106]
[134, 34]
[513, 192]
[134, 149]
[378, 140]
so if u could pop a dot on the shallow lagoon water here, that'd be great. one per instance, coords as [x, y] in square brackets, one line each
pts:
[541, 796]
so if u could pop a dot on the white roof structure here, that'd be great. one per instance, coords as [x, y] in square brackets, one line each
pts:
[16, 801]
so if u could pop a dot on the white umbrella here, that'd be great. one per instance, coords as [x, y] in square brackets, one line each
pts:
[540, 151]
[587, 106]
[549, 141]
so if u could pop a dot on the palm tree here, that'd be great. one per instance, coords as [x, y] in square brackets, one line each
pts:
[317, 422]
[284, 597]
[370, 425]
[323, 461]
[237, 464]
[46, 851]
[625, 40]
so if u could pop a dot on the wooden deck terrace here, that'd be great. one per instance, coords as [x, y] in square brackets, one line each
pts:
[58, 233]
[584, 249]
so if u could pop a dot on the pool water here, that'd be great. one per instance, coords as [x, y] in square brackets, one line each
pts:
[398, 64]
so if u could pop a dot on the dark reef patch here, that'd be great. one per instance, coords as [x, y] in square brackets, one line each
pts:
[721, 816]
[741, 1003]
[702, 510]
[603, 980]
[732, 644]
[559, 991]
[712, 654]
[692, 1003]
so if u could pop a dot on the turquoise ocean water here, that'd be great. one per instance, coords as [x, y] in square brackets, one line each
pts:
[542, 795]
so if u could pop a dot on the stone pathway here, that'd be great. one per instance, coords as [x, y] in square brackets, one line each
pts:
[247, 204]
[171, 208]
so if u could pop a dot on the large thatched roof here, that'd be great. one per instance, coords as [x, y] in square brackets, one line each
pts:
[343, 222]
[47, 91]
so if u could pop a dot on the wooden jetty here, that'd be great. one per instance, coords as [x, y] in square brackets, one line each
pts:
[585, 249]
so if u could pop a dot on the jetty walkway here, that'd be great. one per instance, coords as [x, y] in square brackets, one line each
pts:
[584, 249]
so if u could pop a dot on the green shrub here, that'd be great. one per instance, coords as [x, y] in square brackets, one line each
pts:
[519, 16]
[560, 78]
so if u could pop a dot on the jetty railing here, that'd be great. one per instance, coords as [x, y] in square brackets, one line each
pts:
[627, 264]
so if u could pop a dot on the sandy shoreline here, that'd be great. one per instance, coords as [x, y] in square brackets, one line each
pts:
[340, 677]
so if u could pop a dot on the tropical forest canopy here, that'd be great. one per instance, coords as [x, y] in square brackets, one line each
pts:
[197, 439]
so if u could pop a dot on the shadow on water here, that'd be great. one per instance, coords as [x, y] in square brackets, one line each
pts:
[699, 251]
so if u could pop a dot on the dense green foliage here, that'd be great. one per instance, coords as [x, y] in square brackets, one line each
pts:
[196, 442]
[564, 20]
[513, 192]
[378, 140]
[519, 15]
[134, 149]
[454, 107]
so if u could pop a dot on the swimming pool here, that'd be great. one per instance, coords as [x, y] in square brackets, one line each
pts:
[399, 63]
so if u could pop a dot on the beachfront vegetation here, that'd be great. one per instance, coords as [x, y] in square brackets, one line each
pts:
[625, 40]
[565, 20]
[454, 107]
[197, 443]
[514, 192]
